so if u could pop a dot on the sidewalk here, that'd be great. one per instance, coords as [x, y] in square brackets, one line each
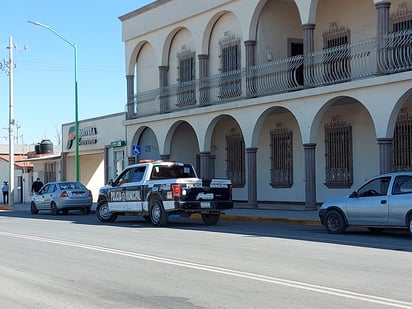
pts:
[291, 214]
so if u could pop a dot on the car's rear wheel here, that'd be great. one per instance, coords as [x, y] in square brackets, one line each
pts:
[334, 222]
[104, 214]
[33, 208]
[158, 215]
[53, 208]
[210, 219]
[410, 225]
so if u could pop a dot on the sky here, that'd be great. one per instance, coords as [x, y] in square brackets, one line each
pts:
[43, 83]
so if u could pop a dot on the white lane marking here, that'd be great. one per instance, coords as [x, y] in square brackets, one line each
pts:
[273, 280]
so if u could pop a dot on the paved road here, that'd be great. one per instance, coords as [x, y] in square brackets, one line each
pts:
[76, 262]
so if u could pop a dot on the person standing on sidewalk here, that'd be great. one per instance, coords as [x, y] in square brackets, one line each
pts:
[5, 190]
[36, 186]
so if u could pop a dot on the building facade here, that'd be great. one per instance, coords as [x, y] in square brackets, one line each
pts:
[296, 101]
[102, 151]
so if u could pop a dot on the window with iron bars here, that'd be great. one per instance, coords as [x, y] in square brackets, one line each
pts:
[230, 67]
[402, 143]
[49, 172]
[235, 159]
[338, 155]
[186, 91]
[337, 54]
[281, 173]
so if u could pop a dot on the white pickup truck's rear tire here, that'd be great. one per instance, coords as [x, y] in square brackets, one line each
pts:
[210, 219]
[158, 215]
[103, 213]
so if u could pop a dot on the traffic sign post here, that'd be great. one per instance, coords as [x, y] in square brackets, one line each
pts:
[136, 151]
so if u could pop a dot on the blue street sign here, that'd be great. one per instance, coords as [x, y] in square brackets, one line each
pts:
[136, 150]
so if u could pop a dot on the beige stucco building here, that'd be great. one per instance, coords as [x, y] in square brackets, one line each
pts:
[294, 100]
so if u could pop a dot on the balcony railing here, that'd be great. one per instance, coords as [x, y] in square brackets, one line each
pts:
[396, 53]
[341, 64]
[358, 60]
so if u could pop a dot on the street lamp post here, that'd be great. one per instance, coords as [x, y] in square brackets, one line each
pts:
[76, 108]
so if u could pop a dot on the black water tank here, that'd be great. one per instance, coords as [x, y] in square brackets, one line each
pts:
[46, 146]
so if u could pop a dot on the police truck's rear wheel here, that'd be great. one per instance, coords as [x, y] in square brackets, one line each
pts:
[158, 215]
[210, 219]
[103, 213]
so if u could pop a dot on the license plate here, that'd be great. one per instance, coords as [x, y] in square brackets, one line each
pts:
[204, 204]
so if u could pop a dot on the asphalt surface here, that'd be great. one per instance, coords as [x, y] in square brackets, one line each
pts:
[292, 214]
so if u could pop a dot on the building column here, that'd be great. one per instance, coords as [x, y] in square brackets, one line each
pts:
[250, 51]
[164, 96]
[308, 49]
[131, 112]
[252, 176]
[310, 176]
[382, 10]
[204, 164]
[204, 90]
[385, 155]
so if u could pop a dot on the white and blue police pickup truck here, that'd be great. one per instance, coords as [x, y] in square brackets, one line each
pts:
[158, 189]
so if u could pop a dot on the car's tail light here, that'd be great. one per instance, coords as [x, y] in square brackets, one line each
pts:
[230, 192]
[176, 191]
[64, 194]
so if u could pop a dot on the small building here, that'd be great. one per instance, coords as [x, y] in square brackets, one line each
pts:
[22, 170]
[43, 162]
[102, 150]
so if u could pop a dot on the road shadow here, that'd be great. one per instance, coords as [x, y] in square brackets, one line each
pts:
[391, 239]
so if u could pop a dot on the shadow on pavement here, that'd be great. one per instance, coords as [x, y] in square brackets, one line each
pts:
[398, 240]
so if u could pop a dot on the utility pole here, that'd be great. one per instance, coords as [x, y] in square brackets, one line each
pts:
[8, 67]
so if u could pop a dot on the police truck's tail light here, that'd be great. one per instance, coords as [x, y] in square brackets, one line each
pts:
[230, 192]
[176, 190]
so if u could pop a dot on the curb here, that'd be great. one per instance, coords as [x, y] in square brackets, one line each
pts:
[272, 219]
[266, 219]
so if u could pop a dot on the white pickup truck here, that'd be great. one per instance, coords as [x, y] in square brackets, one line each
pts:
[158, 189]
